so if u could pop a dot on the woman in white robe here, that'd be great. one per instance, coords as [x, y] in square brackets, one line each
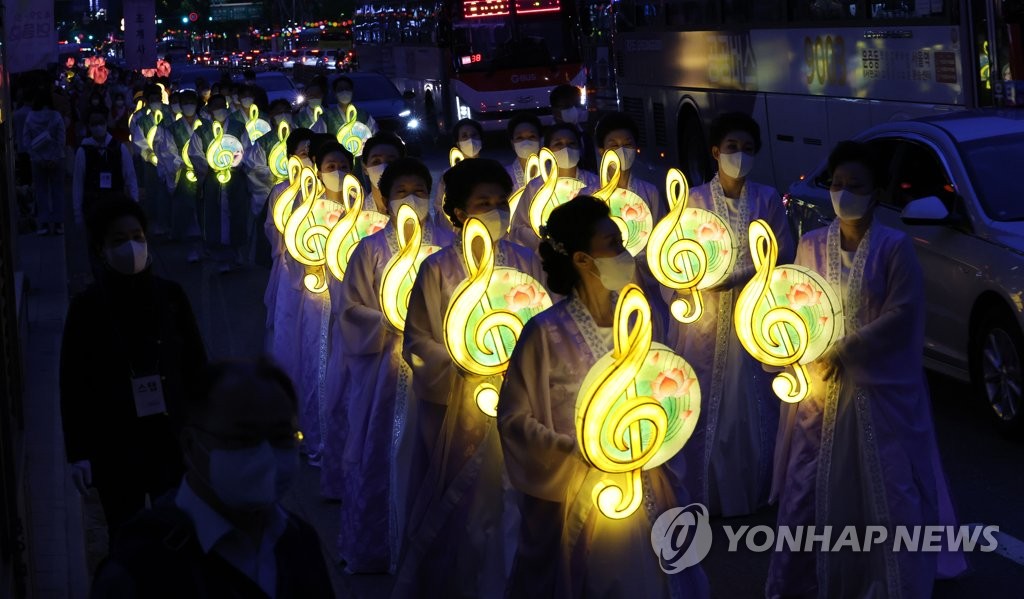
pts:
[729, 456]
[468, 136]
[616, 132]
[461, 525]
[861, 449]
[375, 395]
[564, 140]
[525, 133]
[567, 548]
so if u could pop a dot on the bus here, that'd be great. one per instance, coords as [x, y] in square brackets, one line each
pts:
[326, 38]
[811, 72]
[479, 59]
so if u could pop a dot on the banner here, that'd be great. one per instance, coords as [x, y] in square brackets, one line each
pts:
[140, 33]
[29, 34]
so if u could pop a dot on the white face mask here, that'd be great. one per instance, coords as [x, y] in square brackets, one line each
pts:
[98, 132]
[252, 478]
[567, 158]
[188, 109]
[571, 115]
[374, 173]
[220, 115]
[526, 147]
[332, 180]
[736, 165]
[129, 258]
[849, 205]
[496, 221]
[627, 156]
[420, 205]
[616, 272]
[470, 147]
[344, 97]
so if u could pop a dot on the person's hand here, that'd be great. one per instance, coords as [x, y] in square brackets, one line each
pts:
[565, 442]
[829, 366]
[81, 475]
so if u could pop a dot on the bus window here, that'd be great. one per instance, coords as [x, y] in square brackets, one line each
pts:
[905, 9]
[824, 10]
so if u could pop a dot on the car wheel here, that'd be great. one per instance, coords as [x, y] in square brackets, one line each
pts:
[996, 368]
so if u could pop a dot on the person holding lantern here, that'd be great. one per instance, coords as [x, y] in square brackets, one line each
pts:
[144, 129]
[180, 176]
[333, 118]
[729, 457]
[525, 133]
[468, 137]
[616, 132]
[861, 448]
[567, 546]
[261, 175]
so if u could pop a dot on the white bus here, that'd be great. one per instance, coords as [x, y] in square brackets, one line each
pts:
[811, 72]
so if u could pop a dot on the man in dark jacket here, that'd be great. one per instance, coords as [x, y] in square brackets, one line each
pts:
[223, 533]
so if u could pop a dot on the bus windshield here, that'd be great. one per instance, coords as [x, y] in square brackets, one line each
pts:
[484, 44]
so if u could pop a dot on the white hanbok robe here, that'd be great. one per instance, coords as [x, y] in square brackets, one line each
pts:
[461, 526]
[729, 457]
[281, 303]
[567, 548]
[375, 399]
[521, 231]
[862, 450]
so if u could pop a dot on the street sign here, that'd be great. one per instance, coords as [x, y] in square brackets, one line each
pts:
[140, 33]
[235, 11]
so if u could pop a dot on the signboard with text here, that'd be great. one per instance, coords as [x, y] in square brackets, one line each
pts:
[29, 34]
[140, 33]
[235, 11]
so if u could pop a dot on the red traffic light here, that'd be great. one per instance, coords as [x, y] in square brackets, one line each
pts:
[193, 17]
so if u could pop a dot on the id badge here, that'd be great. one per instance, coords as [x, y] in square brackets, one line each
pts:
[149, 396]
[106, 180]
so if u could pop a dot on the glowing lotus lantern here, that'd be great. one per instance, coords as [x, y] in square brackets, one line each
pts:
[486, 313]
[691, 249]
[163, 68]
[278, 158]
[629, 211]
[307, 229]
[786, 316]
[354, 225]
[400, 271]
[158, 117]
[190, 171]
[148, 73]
[255, 126]
[636, 409]
[223, 153]
[352, 134]
[70, 62]
[286, 201]
[553, 193]
[531, 172]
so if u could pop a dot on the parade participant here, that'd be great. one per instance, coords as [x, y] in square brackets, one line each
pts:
[729, 457]
[261, 175]
[373, 357]
[103, 168]
[525, 133]
[378, 152]
[861, 447]
[467, 136]
[225, 211]
[174, 101]
[128, 329]
[309, 116]
[154, 115]
[567, 547]
[117, 122]
[43, 138]
[180, 177]
[224, 532]
[461, 529]
[567, 107]
[616, 132]
[336, 116]
[564, 140]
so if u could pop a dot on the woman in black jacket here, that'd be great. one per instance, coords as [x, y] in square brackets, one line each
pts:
[131, 354]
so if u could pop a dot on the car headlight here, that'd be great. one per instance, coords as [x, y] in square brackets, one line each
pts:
[405, 113]
[413, 123]
[299, 99]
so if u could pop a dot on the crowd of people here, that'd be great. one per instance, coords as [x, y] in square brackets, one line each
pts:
[452, 500]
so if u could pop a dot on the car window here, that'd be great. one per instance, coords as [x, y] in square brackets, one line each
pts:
[370, 89]
[917, 172]
[885, 148]
[993, 164]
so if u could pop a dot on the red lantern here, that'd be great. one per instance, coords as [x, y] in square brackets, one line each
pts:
[148, 73]
[100, 75]
[71, 62]
[163, 68]
[97, 69]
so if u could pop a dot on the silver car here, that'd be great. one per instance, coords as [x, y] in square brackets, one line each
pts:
[953, 188]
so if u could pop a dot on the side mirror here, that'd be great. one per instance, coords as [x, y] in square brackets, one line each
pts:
[925, 211]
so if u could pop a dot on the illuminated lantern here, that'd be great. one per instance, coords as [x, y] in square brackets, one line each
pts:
[486, 313]
[531, 172]
[353, 134]
[286, 201]
[691, 249]
[148, 73]
[307, 228]
[628, 210]
[223, 153]
[400, 271]
[786, 316]
[317, 111]
[70, 62]
[553, 193]
[636, 409]
[190, 171]
[163, 68]
[455, 156]
[165, 96]
[278, 158]
[354, 225]
[256, 126]
[158, 117]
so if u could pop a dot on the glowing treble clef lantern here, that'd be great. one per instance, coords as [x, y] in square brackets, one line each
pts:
[455, 156]
[307, 229]
[190, 171]
[158, 117]
[531, 172]
[223, 153]
[352, 134]
[637, 407]
[786, 316]
[629, 211]
[355, 224]
[286, 201]
[400, 271]
[278, 158]
[553, 193]
[486, 313]
[690, 250]
[255, 126]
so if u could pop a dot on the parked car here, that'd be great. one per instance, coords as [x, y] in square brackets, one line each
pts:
[377, 95]
[289, 58]
[953, 190]
[277, 86]
[329, 59]
[310, 57]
